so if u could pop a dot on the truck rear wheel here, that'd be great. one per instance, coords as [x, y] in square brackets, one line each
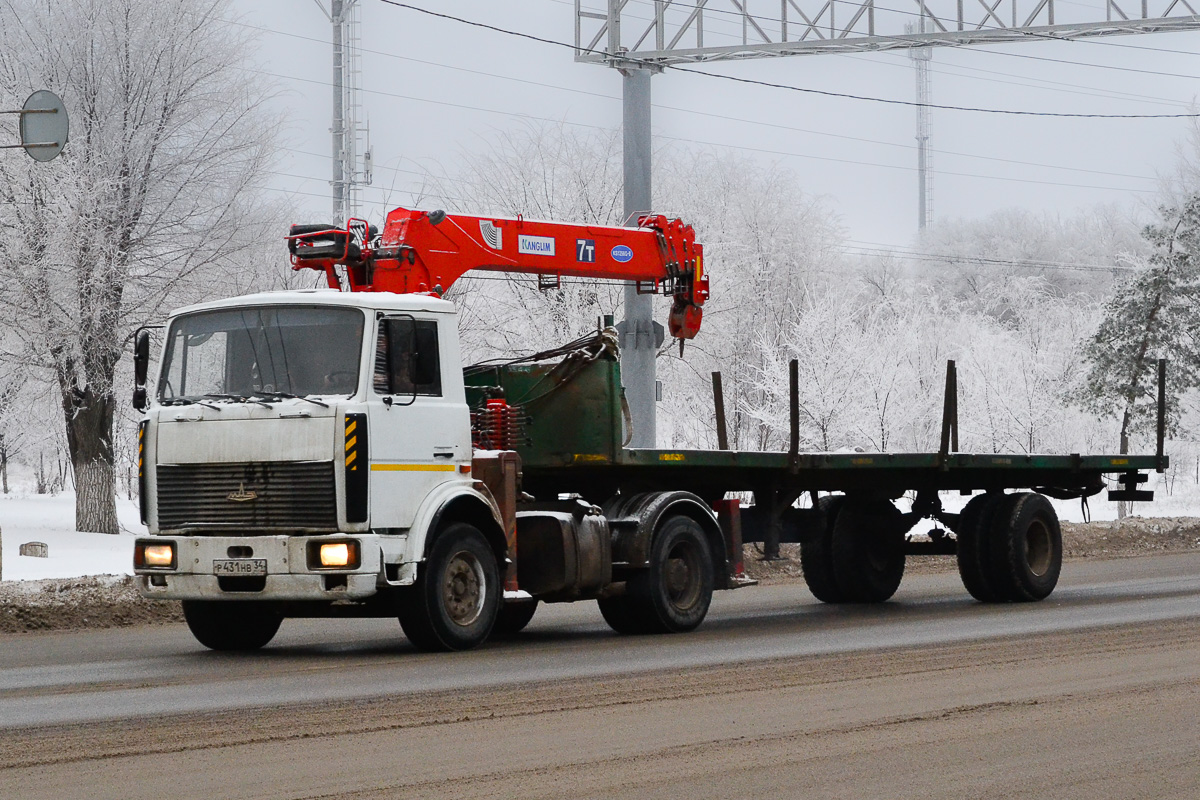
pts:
[1025, 548]
[868, 552]
[973, 551]
[622, 615]
[230, 624]
[816, 553]
[673, 594]
[454, 602]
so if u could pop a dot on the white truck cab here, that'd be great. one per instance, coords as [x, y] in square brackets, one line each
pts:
[271, 415]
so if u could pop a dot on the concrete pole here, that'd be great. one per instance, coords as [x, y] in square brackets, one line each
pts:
[338, 128]
[638, 348]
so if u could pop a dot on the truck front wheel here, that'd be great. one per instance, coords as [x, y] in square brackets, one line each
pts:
[673, 594]
[455, 599]
[230, 624]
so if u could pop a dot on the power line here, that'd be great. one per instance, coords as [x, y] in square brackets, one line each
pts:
[722, 116]
[784, 86]
[1093, 90]
[879, 249]
[808, 156]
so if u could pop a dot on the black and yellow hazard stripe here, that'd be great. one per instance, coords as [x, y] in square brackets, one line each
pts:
[356, 467]
[141, 461]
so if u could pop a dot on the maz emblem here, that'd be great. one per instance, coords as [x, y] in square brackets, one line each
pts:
[241, 495]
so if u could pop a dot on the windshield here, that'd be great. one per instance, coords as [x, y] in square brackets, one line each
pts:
[266, 350]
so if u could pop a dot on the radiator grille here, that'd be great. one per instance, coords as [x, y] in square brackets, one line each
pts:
[262, 495]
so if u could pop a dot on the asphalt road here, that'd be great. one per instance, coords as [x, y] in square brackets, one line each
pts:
[1094, 692]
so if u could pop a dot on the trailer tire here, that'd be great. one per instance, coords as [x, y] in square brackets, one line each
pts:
[673, 594]
[455, 600]
[816, 554]
[230, 624]
[514, 616]
[868, 551]
[973, 550]
[1026, 548]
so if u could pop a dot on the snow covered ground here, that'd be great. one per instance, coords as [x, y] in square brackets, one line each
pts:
[51, 519]
[27, 517]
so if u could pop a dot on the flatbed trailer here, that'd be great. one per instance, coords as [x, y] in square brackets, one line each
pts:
[853, 538]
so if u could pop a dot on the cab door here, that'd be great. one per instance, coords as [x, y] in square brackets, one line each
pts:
[419, 423]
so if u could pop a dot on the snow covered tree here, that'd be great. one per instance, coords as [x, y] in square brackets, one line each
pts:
[1155, 314]
[168, 143]
[11, 384]
[546, 172]
[1069, 253]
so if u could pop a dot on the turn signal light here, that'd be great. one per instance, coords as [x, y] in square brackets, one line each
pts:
[333, 555]
[154, 556]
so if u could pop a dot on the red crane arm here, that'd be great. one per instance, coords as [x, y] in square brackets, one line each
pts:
[427, 251]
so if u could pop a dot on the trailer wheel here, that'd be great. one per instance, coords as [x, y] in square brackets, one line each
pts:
[868, 552]
[454, 602]
[1026, 548]
[231, 624]
[513, 617]
[673, 594]
[973, 551]
[816, 554]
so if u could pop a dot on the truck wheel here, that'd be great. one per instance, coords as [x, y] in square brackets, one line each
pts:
[454, 602]
[974, 551]
[622, 616]
[1026, 548]
[513, 617]
[231, 625]
[673, 594]
[816, 554]
[868, 552]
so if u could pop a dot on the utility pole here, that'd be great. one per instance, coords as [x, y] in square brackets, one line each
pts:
[921, 56]
[348, 136]
[639, 340]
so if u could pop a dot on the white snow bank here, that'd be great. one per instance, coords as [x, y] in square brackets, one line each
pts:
[51, 519]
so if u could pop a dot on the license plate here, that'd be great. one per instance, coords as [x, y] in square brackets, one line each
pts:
[240, 566]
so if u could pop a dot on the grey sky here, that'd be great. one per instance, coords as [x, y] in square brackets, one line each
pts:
[434, 88]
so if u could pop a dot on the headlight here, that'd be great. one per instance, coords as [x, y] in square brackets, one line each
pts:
[333, 555]
[150, 555]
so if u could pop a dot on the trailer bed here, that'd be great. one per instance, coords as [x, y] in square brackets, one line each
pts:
[711, 473]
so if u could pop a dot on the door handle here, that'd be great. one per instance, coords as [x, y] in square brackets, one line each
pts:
[449, 454]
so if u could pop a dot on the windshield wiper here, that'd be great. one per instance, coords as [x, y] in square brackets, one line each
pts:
[188, 401]
[239, 398]
[289, 396]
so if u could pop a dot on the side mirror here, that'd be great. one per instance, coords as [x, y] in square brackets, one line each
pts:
[141, 364]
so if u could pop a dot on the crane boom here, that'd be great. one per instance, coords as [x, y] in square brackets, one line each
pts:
[422, 251]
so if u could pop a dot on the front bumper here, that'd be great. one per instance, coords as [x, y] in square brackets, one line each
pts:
[288, 576]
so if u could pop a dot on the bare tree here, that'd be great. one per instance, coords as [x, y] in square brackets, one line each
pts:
[168, 141]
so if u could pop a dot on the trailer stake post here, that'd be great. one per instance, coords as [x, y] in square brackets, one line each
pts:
[1162, 416]
[719, 403]
[794, 414]
[949, 442]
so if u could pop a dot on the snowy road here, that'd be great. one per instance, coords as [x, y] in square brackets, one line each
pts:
[127, 673]
[775, 695]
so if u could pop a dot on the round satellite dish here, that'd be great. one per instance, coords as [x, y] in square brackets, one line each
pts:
[43, 125]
